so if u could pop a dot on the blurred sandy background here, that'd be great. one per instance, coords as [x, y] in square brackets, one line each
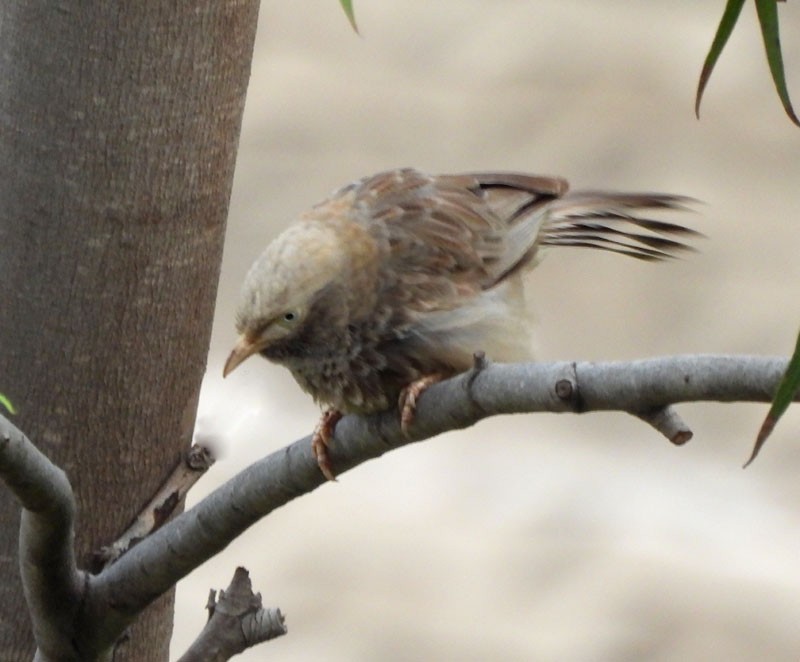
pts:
[532, 537]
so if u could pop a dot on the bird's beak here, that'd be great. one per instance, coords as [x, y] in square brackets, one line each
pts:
[243, 349]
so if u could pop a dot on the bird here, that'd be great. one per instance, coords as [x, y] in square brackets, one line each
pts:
[396, 280]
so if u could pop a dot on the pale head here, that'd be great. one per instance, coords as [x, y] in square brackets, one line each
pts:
[282, 285]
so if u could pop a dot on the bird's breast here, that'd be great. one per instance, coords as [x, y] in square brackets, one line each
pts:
[345, 383]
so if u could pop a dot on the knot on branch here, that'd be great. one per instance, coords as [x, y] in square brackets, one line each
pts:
[564, 389]
[568, 392]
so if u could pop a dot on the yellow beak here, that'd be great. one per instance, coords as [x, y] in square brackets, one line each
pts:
[243, 349]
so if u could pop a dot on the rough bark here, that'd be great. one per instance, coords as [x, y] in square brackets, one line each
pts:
[118, 131]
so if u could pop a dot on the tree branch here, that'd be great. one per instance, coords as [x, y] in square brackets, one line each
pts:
[236, 622]
[190, 468]
[638, 387]
[52, 583]
[78, 616]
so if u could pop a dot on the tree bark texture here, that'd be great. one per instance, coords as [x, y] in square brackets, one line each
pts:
[119, 124]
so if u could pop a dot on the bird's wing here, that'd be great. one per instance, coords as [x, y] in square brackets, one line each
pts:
[446, 238]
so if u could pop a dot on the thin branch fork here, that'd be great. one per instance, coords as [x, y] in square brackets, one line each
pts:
[113, 598]
[56, 590]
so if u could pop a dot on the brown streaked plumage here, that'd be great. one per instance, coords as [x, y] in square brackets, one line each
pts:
[402, 275]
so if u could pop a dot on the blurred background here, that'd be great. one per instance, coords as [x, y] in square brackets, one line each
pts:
[536, 537]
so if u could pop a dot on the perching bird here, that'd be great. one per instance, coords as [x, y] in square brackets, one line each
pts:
[397, 279]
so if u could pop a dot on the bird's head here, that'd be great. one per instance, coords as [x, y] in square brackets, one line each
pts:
[282, 286]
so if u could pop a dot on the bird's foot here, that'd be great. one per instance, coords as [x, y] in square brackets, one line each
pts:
[407, 402]
[321, 441]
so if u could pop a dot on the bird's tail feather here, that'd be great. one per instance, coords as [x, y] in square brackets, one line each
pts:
[614, 222]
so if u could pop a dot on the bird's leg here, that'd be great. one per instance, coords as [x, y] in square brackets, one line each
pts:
[323, 434]
[407, 402]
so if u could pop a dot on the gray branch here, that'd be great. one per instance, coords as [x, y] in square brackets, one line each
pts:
[642, 388]
[646, 389]
[236, 622]
[191, 468]
[53, 585]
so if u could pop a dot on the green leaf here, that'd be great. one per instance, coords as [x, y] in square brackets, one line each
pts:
[347, 5]
[787, 389]
[768, 18]
[729, 18]
[7, 404]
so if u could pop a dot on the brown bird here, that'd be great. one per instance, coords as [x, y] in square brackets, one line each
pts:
[397, 279]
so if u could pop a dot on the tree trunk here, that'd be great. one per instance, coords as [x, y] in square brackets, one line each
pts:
[118, 131]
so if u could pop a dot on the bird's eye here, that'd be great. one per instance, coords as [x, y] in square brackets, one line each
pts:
[289, 317]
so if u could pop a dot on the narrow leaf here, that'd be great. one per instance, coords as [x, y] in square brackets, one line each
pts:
[347, 5]
[729, 18]
[768, 18]
[7, 404]
[790, 383]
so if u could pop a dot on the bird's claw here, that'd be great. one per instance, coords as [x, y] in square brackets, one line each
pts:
[407, 402]
[321, 441]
